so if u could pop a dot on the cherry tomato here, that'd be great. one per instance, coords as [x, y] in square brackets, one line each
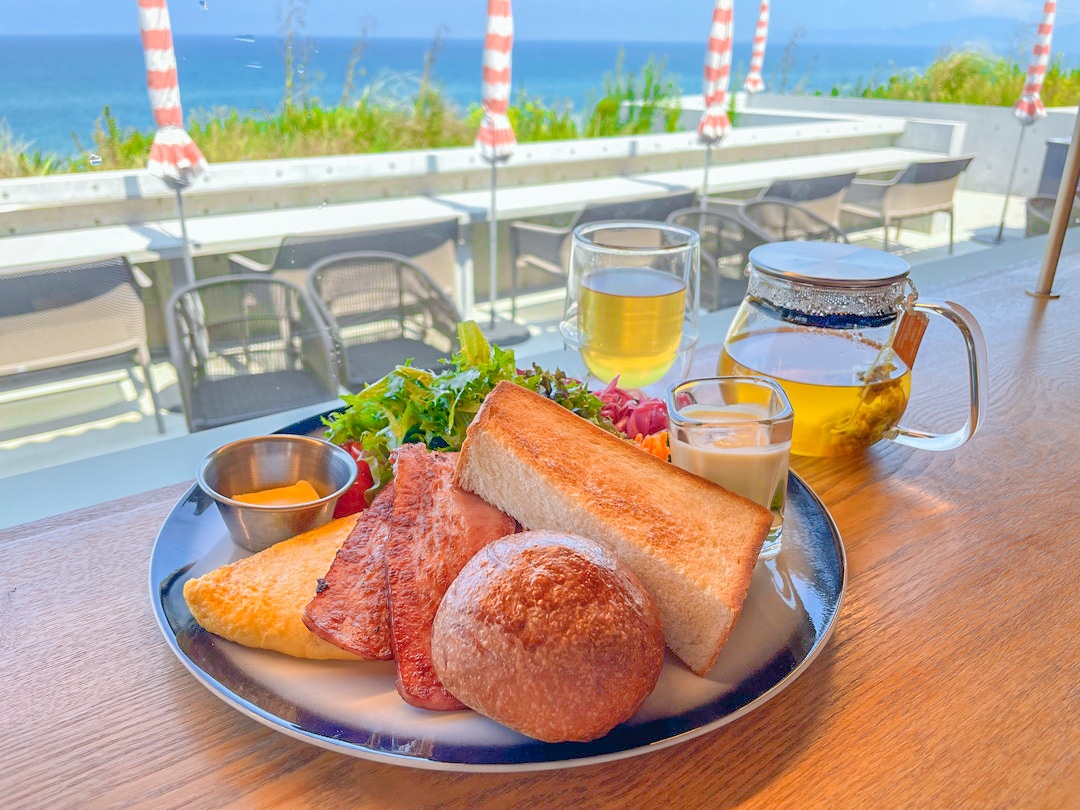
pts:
[353, 500]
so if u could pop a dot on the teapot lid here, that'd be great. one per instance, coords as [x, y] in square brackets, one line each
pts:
[829, 264]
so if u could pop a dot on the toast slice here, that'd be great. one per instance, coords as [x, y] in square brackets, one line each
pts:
[692, 543]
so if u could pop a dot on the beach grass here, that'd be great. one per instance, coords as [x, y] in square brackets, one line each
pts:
[970, 77]
[374, 122]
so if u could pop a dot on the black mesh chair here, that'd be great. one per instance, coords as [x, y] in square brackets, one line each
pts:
[921, 189]
[547, 248]
[431, 245]
[726, 241]
[60, 317]
[783, 221]
[382, 309]
[245, 347]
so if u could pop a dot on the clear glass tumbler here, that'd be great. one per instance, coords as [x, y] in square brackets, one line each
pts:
[736, 432]
[632, 300]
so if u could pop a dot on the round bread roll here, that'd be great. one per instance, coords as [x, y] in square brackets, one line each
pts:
[549, 634]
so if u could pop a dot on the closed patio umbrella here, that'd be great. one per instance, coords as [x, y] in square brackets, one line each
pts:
[495, 139]
[754, 82]
[174, 157]
[714, 122]
[1029, 108]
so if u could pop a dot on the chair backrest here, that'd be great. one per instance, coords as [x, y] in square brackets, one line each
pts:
[925, 187]
[431, 245]
[1040, 210]
[651, 209]
[58, 316]
[724, 235]
[726, 242]
[820, 195]
[240, 329]
[786, 221]
[369, 296]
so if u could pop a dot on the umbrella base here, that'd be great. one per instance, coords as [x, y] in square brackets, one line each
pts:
[503, 332]
[990, 237]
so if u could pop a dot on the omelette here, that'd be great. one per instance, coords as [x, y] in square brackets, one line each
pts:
[259, 601]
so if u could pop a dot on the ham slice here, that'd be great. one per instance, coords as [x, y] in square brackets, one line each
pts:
[435, 529]
[350, 608]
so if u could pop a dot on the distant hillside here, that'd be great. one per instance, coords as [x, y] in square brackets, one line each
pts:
[999, 34]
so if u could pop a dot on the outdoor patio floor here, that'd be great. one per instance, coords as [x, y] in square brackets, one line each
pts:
[88, 416]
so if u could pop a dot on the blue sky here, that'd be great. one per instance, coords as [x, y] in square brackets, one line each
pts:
[620, 20]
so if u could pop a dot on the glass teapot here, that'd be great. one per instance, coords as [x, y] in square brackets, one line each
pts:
[838, 327]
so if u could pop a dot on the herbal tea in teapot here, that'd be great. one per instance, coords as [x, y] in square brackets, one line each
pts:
[843, 398]
[837, 327]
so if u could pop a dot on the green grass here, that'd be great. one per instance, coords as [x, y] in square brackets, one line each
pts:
[372, 123]
[968, 77]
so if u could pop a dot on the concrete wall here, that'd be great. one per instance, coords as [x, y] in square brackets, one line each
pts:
[81, 200]
[992, 133]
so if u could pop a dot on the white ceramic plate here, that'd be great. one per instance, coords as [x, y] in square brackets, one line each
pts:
[353, 708]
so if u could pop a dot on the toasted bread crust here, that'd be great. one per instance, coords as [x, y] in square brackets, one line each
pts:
[692, 543]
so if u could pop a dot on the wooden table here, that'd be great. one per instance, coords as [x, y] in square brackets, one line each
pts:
[952, 680]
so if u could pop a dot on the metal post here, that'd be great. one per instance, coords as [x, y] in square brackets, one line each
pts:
[1059, 222]
[1009, 185]
[189, 264]
[493, 235]
[705, 179]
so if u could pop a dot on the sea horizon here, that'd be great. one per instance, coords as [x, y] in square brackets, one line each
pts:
[54, 88]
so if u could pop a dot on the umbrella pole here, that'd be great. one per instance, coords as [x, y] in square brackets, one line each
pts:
[1009, 185]
[1059, 222]
[189, 264]
[705, 178]
[493, 237]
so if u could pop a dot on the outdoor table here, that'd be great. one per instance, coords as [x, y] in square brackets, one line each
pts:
[951, 679]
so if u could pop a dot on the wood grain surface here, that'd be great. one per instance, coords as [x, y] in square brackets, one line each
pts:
[952, 680]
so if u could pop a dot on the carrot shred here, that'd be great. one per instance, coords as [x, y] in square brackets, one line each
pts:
[657, 444]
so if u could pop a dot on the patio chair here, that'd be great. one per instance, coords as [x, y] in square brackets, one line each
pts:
[818, 195]
[382, 309]
[431, 245]
[783, 221]
[60, 317]
[247, 346]
[547, 248]
[726, 241]
[1040, 210]
[922, 188]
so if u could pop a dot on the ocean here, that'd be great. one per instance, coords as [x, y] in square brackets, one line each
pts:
[53, 89]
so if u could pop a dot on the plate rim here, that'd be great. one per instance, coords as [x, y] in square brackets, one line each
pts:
[273, 721]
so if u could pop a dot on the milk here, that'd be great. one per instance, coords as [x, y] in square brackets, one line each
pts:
[732, 450]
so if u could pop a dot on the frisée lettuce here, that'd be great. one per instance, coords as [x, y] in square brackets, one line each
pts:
[417, 405]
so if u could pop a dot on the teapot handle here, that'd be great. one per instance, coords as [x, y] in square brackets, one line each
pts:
[963, 320]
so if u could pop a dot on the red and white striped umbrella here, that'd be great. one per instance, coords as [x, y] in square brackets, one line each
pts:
[1030, 107]
[495, 138]
[173, 154]
[714, 121]
[174, 157]
[495, 141]
[754, 83]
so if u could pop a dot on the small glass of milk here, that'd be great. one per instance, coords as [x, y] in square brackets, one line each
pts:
[736, 432]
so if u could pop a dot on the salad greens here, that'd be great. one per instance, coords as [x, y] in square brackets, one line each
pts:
[414, 405]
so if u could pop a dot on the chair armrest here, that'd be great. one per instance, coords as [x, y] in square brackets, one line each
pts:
[140, 278]
[240, 264]
[540, 245]
[866, 193]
